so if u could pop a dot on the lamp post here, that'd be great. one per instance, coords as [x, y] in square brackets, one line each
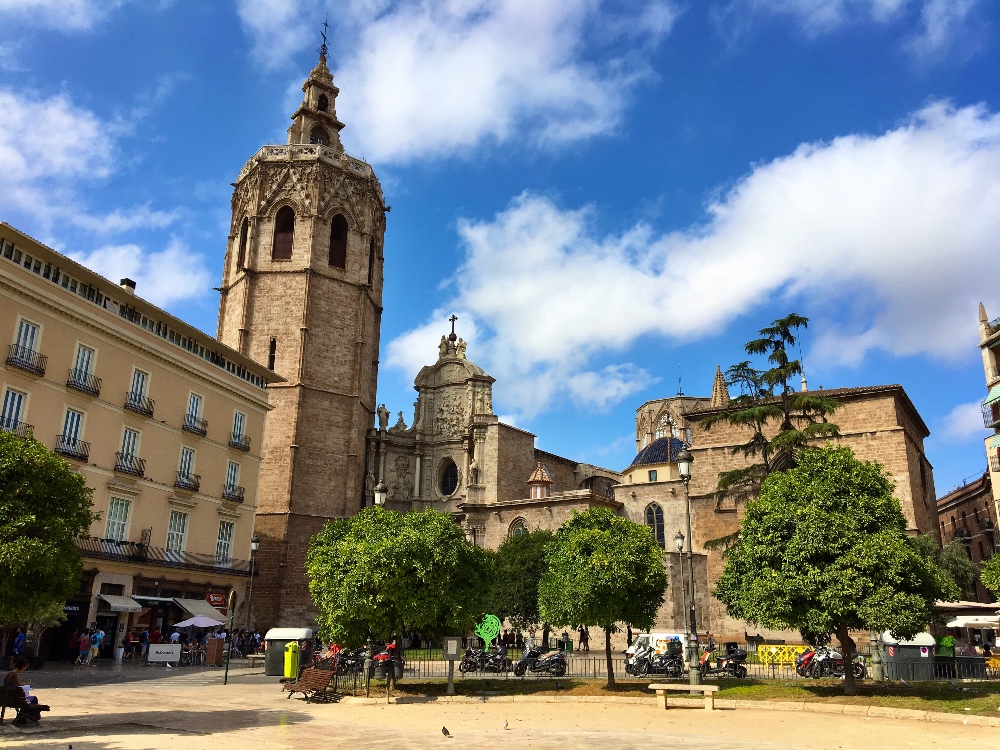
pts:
[229, 651]
[684, 461]
[380, 493]
[679, 543]
[254, 546]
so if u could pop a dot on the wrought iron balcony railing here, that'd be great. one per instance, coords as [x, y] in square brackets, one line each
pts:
[239, 441]
[190, 482]
[126, 463]
[194, 424]
[83, 381]
[991, 415]
[72, 448]
[233, 493]
[143, 554]
[14, 427]
[26, 359]
[139, 404]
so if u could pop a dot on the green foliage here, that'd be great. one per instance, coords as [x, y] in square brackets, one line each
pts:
[952, 559]
[43, 505]
[603, 569]
[519, 565]
[824, 549]
[990, 574]
[375, 573]
[768, 400]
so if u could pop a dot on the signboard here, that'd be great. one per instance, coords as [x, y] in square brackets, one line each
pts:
[451, 648]
[160, 652]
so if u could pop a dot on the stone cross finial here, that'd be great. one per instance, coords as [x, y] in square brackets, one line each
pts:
[452, 336]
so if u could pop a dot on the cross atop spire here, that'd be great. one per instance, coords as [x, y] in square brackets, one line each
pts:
[322, 47]
[452, 336]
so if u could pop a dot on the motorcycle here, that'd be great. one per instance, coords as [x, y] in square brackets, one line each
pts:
[830, 663]
[532, 661]
[803, 662]
[479, 660]
[730, 664]
[646, 661]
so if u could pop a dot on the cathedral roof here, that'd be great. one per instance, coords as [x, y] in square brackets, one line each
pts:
[540, 474]
[660, 451]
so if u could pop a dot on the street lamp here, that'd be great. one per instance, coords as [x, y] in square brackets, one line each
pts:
[679, 543]
[380, 492]
[684, 461]
[254, 546]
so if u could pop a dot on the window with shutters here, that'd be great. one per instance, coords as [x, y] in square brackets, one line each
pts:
[232, 476]
[130, 442]
[84, 364]
[284, 233]
[186, 468]
[177, 531]
[224, 543]
[13, 406]
[72, 426]
[27, 336]
[117, 519]
[338, 242]
[140, 383]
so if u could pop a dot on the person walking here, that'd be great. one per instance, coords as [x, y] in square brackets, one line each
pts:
[144, 645]
[74, 644]
[95, 646]
[84, 645]
[17, 650]
[126, 647]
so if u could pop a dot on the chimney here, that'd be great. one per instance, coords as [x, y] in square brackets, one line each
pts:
[128, 285]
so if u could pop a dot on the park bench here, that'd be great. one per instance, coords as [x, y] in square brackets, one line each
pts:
[310, 683]
[13, 697]
[662, 688]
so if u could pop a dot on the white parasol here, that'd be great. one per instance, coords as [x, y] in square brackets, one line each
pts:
[198, 621]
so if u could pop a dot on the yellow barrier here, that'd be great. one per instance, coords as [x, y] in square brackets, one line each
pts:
[777, 655]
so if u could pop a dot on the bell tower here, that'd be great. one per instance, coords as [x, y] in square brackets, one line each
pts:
[302, 293]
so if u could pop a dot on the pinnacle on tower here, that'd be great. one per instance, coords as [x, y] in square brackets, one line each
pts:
[720, 393]
[315, 121]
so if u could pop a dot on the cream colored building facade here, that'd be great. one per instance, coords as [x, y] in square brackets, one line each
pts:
[989, 344]
[164, 422]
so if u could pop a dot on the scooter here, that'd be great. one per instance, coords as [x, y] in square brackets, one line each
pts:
[730, 664]
[803, 662]
[646, 661]
[553, 664]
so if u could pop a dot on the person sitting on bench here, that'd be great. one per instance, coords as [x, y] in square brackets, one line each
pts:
[13, 680]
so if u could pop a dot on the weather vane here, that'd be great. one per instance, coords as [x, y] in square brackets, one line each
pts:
[322, 47]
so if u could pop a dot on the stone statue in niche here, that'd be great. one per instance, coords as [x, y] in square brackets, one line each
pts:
[383, 417]
[369, 484]
[474, 472]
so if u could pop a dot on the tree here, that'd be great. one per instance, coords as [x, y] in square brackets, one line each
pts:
[824, 549]
[952, 559]
[44, 504]
[780, 419]
[990, 575]
[603, 569]
[375, 573]
[518, 566]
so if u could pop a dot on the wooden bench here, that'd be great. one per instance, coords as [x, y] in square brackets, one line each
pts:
[310, 683]
[662, 688]
[13, 697]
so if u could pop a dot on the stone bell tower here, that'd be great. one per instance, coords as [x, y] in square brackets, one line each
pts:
[302, 293]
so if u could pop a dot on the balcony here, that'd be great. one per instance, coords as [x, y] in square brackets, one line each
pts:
[27, 359]
[194, 424]
[80, 380]
[189, 482]
[232, 493]
[991, 415]
[239, 442]
[14, 427]
[992, 375]
[139, 404]
[143, 554]
[126, 463]
[70, 447]
[994, 462]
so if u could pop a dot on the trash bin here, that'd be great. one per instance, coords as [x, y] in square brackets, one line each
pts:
[909, 660]
[274, 648]
[292, 659]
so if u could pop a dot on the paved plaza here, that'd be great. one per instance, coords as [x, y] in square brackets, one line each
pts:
[156, 708]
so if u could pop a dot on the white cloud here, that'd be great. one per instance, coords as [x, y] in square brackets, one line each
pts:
[170, 275]
[962, 424]
[890, 230]
[941, 21]
[425, 79]
[73, 15]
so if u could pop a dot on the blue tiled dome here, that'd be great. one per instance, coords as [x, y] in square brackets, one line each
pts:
[661, 451]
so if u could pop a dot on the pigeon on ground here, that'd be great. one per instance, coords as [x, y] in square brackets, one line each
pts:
[505, 724]
[558, 685]
[445, 732]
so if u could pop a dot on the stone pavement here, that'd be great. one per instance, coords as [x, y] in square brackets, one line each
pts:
[194, 711]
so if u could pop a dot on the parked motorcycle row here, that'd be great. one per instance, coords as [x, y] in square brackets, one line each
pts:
[826, 662]
[532, 661]
[483, 660]
[646, 661]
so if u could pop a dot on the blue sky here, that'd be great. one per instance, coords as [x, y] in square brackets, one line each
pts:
[608, 194]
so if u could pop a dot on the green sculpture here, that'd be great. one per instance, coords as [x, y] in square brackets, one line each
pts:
[488, 629]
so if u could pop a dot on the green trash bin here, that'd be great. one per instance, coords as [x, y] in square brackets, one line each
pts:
[569, 645]
[292, 660]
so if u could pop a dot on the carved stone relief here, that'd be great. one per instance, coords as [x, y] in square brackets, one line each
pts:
[450, 413]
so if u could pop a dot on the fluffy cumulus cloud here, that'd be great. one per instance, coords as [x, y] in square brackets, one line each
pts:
[964, 423]
[886, 234]
[427, 79]
[74, 15]
[163, 277]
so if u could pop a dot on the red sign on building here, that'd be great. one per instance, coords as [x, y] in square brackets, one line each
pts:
[216, 600]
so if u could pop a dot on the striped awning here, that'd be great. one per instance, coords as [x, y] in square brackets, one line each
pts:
[993, 396]
[994, 442]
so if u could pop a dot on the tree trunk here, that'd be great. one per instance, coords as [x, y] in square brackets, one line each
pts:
[847, 650]
[545, 636]
[607, 655]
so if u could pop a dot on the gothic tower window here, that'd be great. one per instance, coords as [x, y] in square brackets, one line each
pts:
[318, 135]
[449, 478]
[654, 520]
[241, 258]
[272, 349]
[338, 242]
[371, 259]
[284, 232]
[322, 103]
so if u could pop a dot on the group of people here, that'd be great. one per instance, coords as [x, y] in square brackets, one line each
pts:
[85, 645]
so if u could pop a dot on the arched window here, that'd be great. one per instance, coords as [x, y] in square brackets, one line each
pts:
[371, 260]
[953, 526]
[272, 349]
[654, 520]
[241, 257]
[965, 523]
[284, 232]
[322, 103]
[338, 242]
[449, 478]
[975, 513]
[518, 528]
[318, 135]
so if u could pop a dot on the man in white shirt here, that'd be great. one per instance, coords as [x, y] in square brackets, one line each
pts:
[175, 636]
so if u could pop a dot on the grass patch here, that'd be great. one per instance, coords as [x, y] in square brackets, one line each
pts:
[980, 698]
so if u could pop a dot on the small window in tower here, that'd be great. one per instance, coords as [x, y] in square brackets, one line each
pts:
[318, 135]
[242, 256]
[338, 242]
[371, 260]
[284, 231]
[272, 349]
[322, 103]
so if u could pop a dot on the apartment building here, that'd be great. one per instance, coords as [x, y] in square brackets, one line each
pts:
[163, 421]
[989, 344]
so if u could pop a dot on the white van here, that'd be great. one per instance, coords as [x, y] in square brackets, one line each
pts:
[658, 641]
